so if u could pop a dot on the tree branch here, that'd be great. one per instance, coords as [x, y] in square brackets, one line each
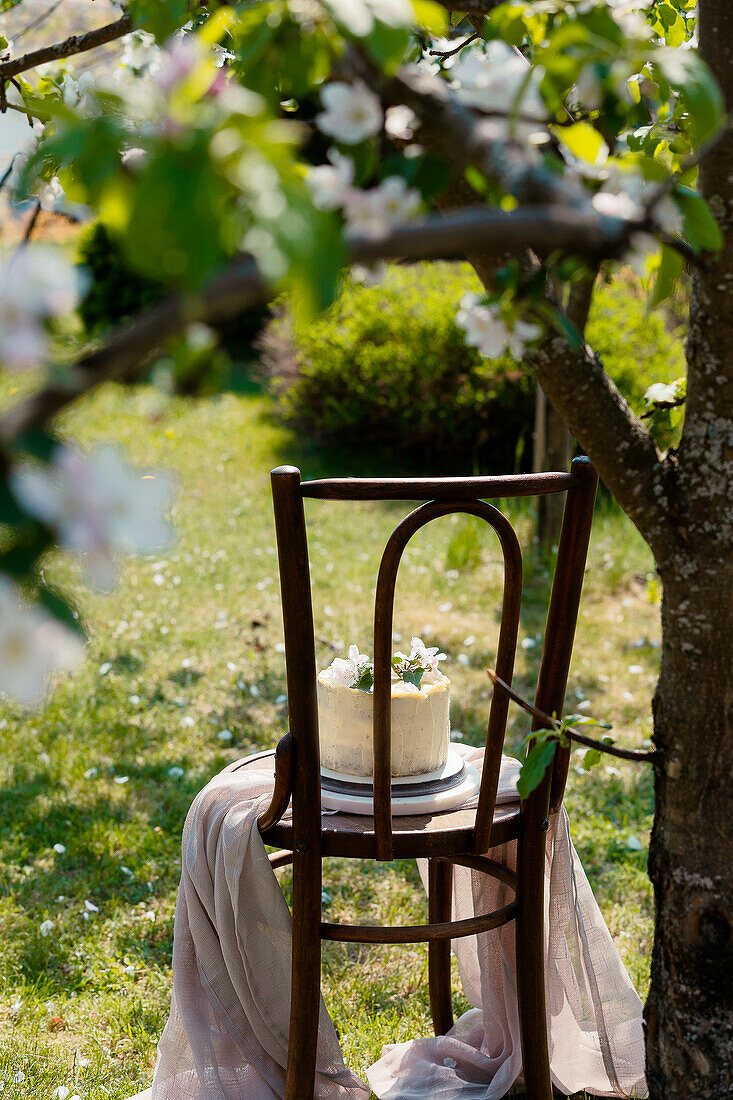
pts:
[464, 136]
[573, 379]
[600, 418]
[241, 287]
[76, 43]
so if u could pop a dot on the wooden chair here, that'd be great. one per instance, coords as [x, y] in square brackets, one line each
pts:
[463, 837]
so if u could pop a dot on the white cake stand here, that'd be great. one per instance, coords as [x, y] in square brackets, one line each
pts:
[445, 789]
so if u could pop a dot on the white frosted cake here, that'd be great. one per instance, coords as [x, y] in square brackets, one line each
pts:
[420, 713]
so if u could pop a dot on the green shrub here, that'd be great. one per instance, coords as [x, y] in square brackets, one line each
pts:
[387, 369]
[115, 292]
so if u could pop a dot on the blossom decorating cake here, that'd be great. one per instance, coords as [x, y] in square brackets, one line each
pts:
[420, 713]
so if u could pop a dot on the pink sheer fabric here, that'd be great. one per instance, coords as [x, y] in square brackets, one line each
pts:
[226, 1037]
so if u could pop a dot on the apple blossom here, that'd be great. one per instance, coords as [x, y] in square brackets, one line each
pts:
[49, 192]
[78, 93]
[352, 112]
[98, 505]
[401, 122]
[498, 79]
[358, 16]
[371, 213]
[36, 283]
[329, 184]
[345, 672]
[141, 51]
[32, 646]
[487, 330]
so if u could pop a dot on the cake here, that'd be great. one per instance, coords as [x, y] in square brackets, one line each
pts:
[420, 713]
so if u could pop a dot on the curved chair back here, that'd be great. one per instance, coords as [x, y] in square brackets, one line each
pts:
[443, 496]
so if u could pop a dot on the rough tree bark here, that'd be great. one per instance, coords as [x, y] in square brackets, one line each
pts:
[690, 1005]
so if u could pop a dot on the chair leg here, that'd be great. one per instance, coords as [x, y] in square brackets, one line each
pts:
[440, 885]
[530, 951]
[306, 977]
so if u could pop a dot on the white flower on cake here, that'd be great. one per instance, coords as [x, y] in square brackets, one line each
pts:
[347, 672]
[420, 712]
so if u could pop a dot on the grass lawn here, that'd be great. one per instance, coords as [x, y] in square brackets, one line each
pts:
[189, 645]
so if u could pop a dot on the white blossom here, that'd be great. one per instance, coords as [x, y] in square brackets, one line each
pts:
[36, 283]
[45, 927]
[221, 55]
[616, 205]
[372, 213]
[141, 51]
[48, 192]
[358, 16]
[329, 184]
[352, 112]
[61, 1093]
[78, 93]
[428, 657]
[32, 646]
[401, 122]
[660, 392]
[498, 79]
[345, 672]
[98, 505]
[486, 329]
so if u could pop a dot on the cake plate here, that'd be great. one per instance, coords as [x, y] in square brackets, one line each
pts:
[445, 789]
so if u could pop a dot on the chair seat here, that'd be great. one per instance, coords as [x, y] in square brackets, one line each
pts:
[447, 833]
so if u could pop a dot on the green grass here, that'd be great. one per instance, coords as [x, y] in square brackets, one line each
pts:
[189, 644]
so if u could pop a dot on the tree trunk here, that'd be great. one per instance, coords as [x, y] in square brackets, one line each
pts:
[551, 451]
[690, 1006]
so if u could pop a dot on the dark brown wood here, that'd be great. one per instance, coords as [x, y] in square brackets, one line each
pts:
[563, 612]
[549, 698]
[283, 785]
[282, 858]
[437, 488]
[419, 933]
[460, 836]
[486, 865]
[440, 902]
[300, 659]
[383, 613]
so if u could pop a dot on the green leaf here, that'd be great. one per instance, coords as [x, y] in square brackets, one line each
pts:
[413, 676]
[160, 17]
[534, 767]
[698, 224]
[584, 142]
[60, 608]
[670, 269]
[433, 17]
[366, 679]
[701, 98]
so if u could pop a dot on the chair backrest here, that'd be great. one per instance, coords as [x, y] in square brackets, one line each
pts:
[442, 496]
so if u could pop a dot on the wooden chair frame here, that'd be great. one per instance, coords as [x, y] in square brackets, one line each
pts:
[297, 763]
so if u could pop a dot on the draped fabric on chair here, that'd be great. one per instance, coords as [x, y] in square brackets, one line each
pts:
[227, 1035]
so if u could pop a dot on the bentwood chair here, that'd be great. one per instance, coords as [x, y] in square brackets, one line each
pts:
[464, 836]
